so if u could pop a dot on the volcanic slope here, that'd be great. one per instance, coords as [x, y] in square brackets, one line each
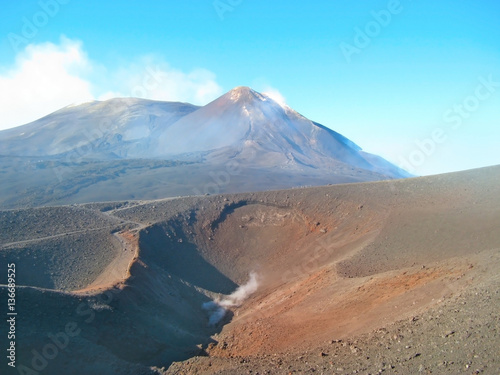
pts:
[129, 148]
[339, 268]
[120, 128]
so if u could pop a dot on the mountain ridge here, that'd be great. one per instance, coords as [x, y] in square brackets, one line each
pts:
[107, 149]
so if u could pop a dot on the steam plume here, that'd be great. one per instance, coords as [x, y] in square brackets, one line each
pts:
[218, 307]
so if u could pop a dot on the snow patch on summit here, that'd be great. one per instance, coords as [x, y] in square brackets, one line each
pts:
[235, 95]
[245, 111]
[242, 91]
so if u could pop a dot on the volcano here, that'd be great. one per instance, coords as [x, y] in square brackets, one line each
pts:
[141, 149]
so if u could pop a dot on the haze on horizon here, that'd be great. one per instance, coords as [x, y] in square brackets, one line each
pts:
[415, 82]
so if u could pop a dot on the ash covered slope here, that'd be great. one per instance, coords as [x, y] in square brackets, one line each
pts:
[117, 128]
[241, 124]
[246, 125]
[142, 149]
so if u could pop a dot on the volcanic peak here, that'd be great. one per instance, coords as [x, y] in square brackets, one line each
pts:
[244, 93]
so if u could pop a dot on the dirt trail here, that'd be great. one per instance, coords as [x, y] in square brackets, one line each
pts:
[118, 270]
[26, 242]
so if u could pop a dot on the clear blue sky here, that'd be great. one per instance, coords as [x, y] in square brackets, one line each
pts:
[431, 70]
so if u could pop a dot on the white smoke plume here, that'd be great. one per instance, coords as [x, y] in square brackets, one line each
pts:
[217, 308]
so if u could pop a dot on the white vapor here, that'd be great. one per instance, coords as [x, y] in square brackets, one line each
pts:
[44, 78]
[150, 77]
[275, 95]
[218, 307]
[47, 77]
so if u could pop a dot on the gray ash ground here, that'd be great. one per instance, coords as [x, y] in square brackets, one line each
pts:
[460, 335]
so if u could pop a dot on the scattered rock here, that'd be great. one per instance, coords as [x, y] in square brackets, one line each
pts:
[448, 333]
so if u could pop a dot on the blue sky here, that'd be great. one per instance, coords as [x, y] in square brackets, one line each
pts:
[416, 81]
